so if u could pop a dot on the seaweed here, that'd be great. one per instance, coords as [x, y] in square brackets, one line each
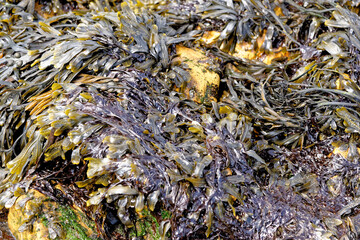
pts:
[100, 107]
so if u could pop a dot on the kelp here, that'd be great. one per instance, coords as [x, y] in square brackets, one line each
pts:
[96, 110]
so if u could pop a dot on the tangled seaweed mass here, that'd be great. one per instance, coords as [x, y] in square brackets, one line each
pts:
[97, 110]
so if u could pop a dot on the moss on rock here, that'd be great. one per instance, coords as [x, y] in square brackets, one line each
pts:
[35, 216]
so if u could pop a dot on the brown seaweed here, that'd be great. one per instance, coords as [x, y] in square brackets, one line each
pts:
[93, 113]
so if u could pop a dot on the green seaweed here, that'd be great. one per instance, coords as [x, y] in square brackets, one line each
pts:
[44, 220]
[148, 226]
[70, 223]
[165, 214]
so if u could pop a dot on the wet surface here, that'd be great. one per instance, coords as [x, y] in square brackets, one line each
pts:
[113, 126]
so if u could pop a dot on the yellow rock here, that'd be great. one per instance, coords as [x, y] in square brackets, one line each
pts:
[210, 37]
[341, 149]
[19, 215]
[204, 83]
[34, 216]
[248, 50]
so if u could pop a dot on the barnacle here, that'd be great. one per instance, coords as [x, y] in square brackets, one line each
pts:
[175, 120]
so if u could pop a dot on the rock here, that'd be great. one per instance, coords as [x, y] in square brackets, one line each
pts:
[35, 216]
[204, 83]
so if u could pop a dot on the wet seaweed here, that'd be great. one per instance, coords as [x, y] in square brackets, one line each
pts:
[94, 111]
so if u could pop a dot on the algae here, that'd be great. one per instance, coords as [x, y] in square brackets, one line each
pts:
[184, 119]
